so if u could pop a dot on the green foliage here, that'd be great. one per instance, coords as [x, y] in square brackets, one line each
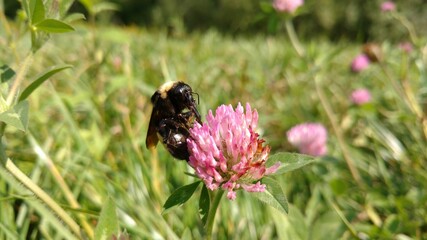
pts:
[53, 26]
[36, 11]
[291, 226]
[91, 124]
[16, 116]
[94, 7]
[181, 195]
[204, 204]
[333, 19]
[40, 79]
[22, 193]
[40, 21]
[273, 195]
[108, 224]
[6, 73]
[15, 112]
[289, 161]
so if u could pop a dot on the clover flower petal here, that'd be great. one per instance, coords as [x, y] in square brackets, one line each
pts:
[227, 153]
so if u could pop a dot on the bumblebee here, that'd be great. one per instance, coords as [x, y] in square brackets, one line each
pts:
[174, 113]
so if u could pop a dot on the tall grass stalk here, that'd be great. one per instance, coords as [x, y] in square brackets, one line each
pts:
[62, 184]
[294, 38]
[43, 196]
[337, 130]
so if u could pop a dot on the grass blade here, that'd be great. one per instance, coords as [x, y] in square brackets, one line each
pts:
[41, 79]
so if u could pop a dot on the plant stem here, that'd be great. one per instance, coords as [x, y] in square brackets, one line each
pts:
[212, 211]
[34, 188]
[407, 24]
[294, 39]
[328, 109]
[405, 91]
[19, 78]
[62, 184]
[43, 196]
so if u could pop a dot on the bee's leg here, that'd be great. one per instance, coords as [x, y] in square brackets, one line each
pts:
[174, 137]
[185, 116]
[187, 119]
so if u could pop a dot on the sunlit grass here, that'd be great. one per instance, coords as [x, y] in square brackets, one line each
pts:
[91, 122]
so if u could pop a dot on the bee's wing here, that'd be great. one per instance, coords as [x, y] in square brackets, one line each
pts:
[152, 138]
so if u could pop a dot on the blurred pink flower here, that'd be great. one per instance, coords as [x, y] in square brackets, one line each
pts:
[360, 96]
[360, 62]
[406, 47]
[288, 6]
[388, 6]
[117, 63]
[226, 151]
[309, 138]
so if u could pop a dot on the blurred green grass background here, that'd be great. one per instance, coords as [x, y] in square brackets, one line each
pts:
[91, 122]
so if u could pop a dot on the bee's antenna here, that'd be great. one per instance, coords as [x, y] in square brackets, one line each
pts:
[198, 99]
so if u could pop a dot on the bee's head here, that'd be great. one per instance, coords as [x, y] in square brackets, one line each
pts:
[181, 96]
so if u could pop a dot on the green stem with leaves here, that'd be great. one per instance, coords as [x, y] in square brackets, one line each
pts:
[23, 69]
[34, 188]
[43, 196]
[212, 212]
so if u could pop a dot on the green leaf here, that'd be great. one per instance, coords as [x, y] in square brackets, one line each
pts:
[26, 8]
[53, 26]
[74, 17]
[204, 204]
[22, 110]
[40, 79]
[7, 73]
[37, 11]
[108, 225]
[273, 195]
[16, 116]
[289, 161]
[181, 195]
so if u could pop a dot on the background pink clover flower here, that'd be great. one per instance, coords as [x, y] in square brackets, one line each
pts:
[309, 138]
[288, 6]
[388, 6]
[360, 96]
[360, 62]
